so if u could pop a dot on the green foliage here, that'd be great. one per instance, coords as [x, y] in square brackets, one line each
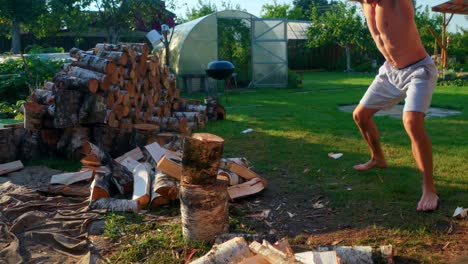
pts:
[235, 46]
[206, 7]
[8, 110]
[452, 82]
[16, 80]
[38, 49]
[276, 10]
[303, 7]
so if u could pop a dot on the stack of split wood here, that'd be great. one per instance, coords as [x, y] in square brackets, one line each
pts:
[148, 178]
[238, 251]
[113, 94]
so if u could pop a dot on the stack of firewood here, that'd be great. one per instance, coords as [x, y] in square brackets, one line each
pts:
[109, 95]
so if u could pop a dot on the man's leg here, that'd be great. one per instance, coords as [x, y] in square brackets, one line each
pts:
[422, 152]
[363, 118]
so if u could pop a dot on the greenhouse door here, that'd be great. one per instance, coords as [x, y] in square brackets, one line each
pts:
[269, 53]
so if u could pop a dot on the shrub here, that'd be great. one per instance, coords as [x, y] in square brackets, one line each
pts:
[16, 80]
[38, 49]
[294, 79]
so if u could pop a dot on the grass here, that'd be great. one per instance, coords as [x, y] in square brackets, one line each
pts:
[294, 130]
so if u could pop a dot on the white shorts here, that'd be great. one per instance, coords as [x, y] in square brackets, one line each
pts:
[415, 83]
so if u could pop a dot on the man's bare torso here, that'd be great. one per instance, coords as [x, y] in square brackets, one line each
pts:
[391, 24]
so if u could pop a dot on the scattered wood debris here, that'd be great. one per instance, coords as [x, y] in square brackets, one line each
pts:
[233, 251]
[460, 213]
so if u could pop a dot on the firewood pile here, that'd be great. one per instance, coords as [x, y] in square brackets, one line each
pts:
[117, 96]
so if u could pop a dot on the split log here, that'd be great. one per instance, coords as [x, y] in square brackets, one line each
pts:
[258, 259]
[93, 109]
[138, 47]
[76, 190]
[142, 184]
[33, 115]
[85, 83]
[100, 187]
[116, 205]
[361, 254]
[7, 145]
[318, 257]
[135, 154]
[170, 124]
[120, 175]
[240, 170]
[118, 57]
[42, 96]
[201, 157]
[95, 63]
[230, 177]
[105, 80]
[165, 185]
[158, 200]
[204, 211]
[232, 251]
[245, 189]
[271, 254]
[72, 140]
[171, 167]
[50, 138]
[11, 167]
[67, 106]
[144, 134]
[166, 138]
[72, 177]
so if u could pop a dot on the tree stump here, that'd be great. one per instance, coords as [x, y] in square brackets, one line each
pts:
[204, 211]
[200, 162]
[144, 134]
[7, 145]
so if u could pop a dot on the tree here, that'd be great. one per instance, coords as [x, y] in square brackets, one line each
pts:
[341, 25]
[120, 16]
[202, 9]
[276, 10]
[20, 13]
[303, 7]
[424, 20]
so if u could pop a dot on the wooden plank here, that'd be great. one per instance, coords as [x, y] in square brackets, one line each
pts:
[71, 177]
[245, 189]
[6, 168]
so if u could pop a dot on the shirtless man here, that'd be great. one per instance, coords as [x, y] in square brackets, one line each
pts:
[407, 73]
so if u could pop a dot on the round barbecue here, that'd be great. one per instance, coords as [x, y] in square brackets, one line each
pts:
[220, 70]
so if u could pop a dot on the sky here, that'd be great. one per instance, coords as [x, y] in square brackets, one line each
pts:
[254, 7]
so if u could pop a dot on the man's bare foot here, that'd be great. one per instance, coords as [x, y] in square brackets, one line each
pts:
[381, 164]
[429, 202]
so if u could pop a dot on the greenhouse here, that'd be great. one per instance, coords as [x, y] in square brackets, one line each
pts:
[257, 47]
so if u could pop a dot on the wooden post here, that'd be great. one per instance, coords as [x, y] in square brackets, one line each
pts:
[204, 211]
[202, 154]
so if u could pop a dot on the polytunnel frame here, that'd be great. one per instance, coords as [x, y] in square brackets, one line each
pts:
[187, 28]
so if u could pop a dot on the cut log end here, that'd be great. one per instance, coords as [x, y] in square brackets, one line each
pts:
[207, 137]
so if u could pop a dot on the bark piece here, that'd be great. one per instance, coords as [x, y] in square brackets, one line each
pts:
[75, 190]
[100, 187]
[204, 211]
[232, 251]
[201, 157]
[10, 167]
[116, 205]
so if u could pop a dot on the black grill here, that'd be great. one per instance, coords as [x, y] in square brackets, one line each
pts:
[220, 70]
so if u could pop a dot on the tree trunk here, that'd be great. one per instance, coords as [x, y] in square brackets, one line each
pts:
[200, 161]
[204, 211]
[16, 37]
[348, 58]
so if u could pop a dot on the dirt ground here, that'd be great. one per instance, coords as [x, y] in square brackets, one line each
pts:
[305, 217]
